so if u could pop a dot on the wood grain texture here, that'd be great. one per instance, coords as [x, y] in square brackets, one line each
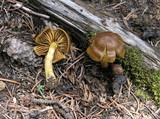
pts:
[73, 16]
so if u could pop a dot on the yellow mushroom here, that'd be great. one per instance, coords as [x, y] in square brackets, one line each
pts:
[53, 44]
[105, 46]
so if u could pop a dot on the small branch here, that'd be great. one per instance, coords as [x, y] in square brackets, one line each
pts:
[119, 4]
[134, 97]
[154, 114]
[19, 5]
[35, 85]
[66, 113]
[43, 101]
[130, 14]
[37, 82]
[34, 114]
[11, 81]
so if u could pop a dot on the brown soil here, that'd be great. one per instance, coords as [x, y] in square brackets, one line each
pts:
[85, 88]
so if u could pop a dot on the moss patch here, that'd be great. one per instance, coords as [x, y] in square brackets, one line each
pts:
[146, 80]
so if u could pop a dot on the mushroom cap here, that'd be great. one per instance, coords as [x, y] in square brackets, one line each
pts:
[117, 69]
[48, 36]
[105, 46]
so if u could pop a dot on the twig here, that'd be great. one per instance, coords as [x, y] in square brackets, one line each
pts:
[20, 5]
[57, 117]
[119, 4]
[7, 117]
[155, 115]
[122, 107]
[135, 99]
[129, 86]
[35, 113]
[104, 107]
[157, 111]
[120, 92]
[12, 9]
[36, 81]
[158, 42]
[81, 55]
[20, 108]
[23, 73]
[130, 14]
[81, 72]
[91, 114]
[28, 25]
[72, 107]
[144, 10]
[2, 4]
[81, 112]
[43, 101]
[66, 113]
[30, 11]
[156, 3]
[75, 62]
[98, 113]
[74, 113]
[11, 81]
[35, 85]
[108, 105]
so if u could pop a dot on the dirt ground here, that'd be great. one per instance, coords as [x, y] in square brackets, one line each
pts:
[85, 88]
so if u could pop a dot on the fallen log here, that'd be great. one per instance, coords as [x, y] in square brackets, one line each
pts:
[80, 21]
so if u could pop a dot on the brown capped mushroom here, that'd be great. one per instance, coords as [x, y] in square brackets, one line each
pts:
[117, 69]
[53, 44]
[105, 46]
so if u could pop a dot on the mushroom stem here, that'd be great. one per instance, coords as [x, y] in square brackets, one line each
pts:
[50, 76]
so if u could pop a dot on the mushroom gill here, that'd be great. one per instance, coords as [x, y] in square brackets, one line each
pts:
[54, 45]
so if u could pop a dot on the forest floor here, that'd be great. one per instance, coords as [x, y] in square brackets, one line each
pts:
[85, 88]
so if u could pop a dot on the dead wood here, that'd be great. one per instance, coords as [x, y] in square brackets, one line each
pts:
[80, 22]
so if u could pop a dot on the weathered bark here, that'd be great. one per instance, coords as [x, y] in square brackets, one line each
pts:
[73, 16]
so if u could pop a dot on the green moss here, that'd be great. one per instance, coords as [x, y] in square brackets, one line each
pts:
[146, 80]
[140, 92]
[92, 33]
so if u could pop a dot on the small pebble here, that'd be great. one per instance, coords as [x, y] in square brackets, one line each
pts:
[2, 85]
